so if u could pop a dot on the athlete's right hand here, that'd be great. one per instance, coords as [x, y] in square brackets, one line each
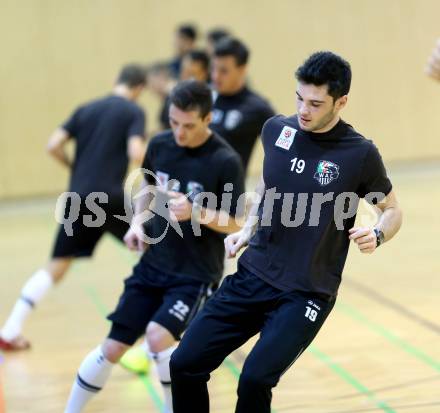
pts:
[236, 241]
[134, 239]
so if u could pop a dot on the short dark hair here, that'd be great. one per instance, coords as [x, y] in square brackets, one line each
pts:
[217, 34]
[187, 30]
[326, 68]
[192, 95]
[133, 75]
[199, 56]
[229, 46]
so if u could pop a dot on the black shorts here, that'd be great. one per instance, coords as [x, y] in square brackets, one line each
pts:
[83, 239]
[242, 307]
[151, 295]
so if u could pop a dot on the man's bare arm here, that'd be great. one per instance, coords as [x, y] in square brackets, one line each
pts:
[136, 149]
[56, 146]
[221, 221]
[234, 242]
[389, 222]
[390, 216]
[251, 222]
[134, 238]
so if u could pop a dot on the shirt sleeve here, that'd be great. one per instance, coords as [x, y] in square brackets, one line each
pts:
[233, 173]
[267, 113]
[265, 131]
[71, 125]
[137, 125]
[374, 178]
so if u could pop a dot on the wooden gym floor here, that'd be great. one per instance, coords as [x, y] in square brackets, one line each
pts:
[378, 352]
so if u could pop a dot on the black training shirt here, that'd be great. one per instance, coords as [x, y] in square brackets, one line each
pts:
[310, 254]
[206, 168]
[239, 119]
[101, 130]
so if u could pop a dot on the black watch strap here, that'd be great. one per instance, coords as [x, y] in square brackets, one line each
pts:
[380, 237]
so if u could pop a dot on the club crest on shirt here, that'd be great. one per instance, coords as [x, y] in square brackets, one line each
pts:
[193, 189]
[286, 138]
[217, 116]
[232, 119]
[326, 172]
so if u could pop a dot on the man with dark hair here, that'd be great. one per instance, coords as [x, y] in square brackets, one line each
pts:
[234, 48]
[187, 32]
[184, 41]
[195, 65]
[288, 277]
[213, 37]
[325, 69]
[171, 280]
[132, 75]
[108, 133]
[239, 113]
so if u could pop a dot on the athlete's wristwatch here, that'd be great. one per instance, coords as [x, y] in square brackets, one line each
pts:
[380, 237]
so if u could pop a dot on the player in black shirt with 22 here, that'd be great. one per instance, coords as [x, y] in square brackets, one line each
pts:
[171, 280]
[288, 276]
[108, 133]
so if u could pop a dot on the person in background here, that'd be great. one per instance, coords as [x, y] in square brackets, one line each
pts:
[239, 112]
[160, 83]
[195, 65]
[213, 37]
[185, 39]
[108, 133]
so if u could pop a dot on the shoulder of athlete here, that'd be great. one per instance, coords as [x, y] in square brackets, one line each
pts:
[259, 102]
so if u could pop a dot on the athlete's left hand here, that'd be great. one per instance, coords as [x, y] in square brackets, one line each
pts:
[365, 238]
[179, 206]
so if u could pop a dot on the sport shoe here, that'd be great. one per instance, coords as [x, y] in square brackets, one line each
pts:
[17, 344]
[136, 361]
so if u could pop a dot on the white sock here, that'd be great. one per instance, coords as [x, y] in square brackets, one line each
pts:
[32, 293]
[92, 376]
[162, 361]
[144, 346]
